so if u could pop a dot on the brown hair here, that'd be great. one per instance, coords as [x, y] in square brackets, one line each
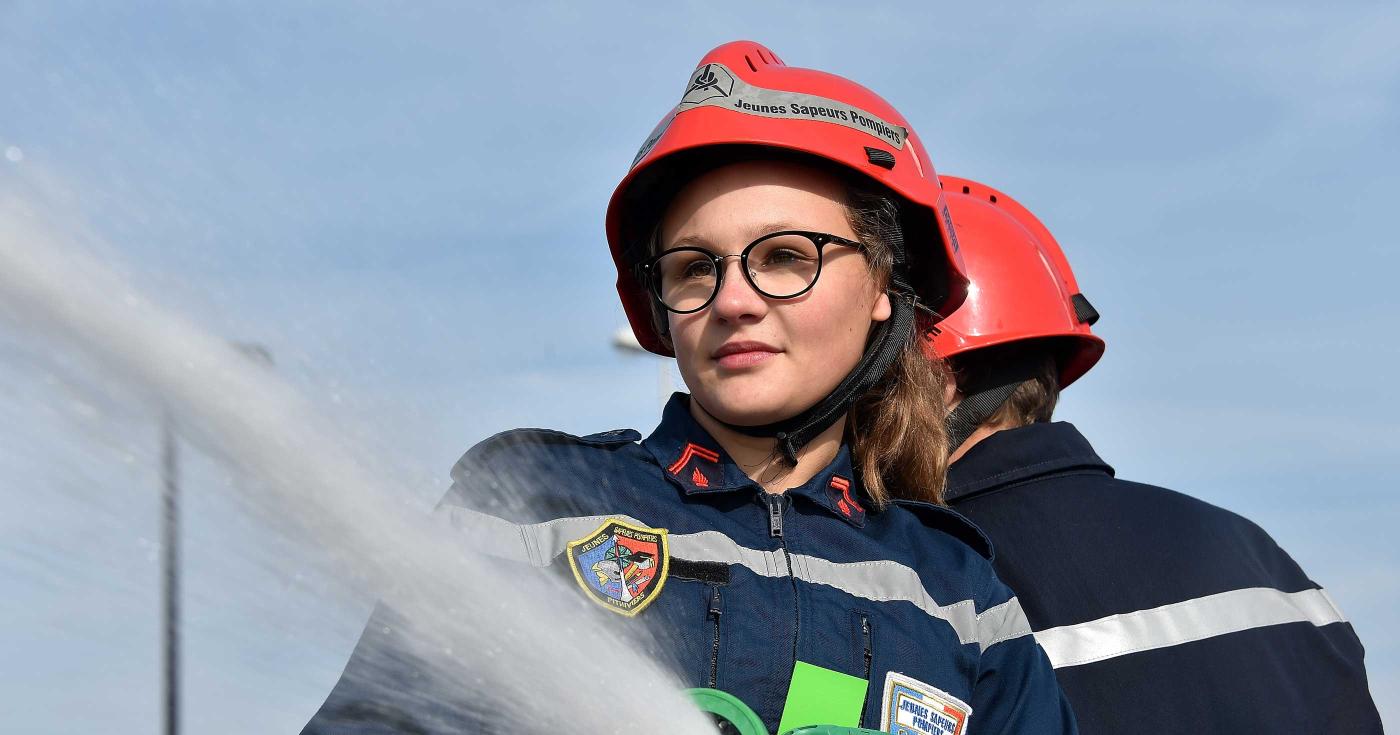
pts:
[899, 442]
[1034, 399]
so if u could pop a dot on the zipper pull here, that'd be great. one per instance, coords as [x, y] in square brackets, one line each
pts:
[715, 608]
[775, 514]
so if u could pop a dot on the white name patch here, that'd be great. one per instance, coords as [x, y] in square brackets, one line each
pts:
[912, 707]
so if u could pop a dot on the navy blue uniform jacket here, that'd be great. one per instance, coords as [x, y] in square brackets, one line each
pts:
[904, 597]
[1161, 613]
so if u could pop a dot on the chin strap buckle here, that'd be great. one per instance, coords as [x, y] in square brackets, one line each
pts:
[786, 446]
[931, 330]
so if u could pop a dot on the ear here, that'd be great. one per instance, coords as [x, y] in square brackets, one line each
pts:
[881, 310]
[951, 396]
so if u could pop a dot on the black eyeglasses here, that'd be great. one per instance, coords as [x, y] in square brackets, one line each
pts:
[779, 265]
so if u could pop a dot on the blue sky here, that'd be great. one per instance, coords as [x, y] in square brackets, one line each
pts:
[406, 206]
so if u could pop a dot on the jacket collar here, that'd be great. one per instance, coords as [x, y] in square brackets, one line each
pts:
[1014, 455]
[693, 461]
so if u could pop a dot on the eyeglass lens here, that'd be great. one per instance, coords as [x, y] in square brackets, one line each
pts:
[779, 267]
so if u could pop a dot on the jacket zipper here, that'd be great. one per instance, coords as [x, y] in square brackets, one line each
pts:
[776, 505]
[775, 517]
[716, 609]
[869, 659]
[869, 649]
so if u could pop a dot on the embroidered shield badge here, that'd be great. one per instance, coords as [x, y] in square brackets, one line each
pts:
[621, 566]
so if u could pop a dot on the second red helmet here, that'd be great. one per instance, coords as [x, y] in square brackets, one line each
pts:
[1022, 288]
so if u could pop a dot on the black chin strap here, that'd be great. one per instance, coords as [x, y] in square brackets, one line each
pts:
[886, 344]
[973, 410]
[983, 396]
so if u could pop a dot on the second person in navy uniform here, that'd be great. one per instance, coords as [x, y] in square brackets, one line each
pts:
[1160, 612]
[783, 523]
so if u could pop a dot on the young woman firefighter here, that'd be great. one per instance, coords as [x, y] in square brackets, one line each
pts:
[782, 524]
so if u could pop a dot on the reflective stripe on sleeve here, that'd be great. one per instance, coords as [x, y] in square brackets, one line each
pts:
[880, 581]
[1184, 622]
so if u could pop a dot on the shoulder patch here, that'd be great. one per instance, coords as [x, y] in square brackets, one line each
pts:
[620, 565]
[952, 523]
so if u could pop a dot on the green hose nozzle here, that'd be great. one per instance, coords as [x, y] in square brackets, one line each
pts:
[733, 717]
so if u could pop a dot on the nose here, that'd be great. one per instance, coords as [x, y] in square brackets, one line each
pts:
[737, 300]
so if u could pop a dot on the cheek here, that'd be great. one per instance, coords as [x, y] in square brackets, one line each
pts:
[841, 318]
[685, 335]
[843, 330]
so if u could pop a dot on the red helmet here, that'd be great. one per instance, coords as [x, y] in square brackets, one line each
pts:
[741, 97]
[1022, 287]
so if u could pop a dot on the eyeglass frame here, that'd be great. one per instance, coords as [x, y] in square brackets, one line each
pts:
[818, 239]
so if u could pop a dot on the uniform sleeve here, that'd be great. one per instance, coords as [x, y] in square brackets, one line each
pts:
[385, 688]
[523, 476]
[1016, 690]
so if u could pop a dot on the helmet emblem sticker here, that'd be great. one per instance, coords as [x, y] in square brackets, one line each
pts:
[714, 85]
[708, 82]
[621, 566]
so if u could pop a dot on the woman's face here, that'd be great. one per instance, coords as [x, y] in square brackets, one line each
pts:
[752, 360]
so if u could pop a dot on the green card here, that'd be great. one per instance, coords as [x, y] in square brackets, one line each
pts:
[819, 696]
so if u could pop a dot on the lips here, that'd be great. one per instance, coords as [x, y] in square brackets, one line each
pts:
[743, 353]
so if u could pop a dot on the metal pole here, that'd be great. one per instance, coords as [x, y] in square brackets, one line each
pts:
[170, 573]
[663, 380]
[624, 341]
[170, 552]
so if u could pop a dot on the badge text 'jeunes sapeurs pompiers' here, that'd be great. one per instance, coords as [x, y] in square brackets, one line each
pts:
[911, 707]
[621, 566]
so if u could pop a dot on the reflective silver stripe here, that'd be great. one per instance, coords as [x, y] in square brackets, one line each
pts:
[879, 581]
[889, 581]
[1184, 622]
[534, 543]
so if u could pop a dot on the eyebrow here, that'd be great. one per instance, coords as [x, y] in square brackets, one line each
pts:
[767, 228]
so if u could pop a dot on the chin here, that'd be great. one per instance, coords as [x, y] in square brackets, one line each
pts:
[733, 405]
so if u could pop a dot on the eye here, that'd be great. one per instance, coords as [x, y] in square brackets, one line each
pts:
[785, 256]
[698, 268]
